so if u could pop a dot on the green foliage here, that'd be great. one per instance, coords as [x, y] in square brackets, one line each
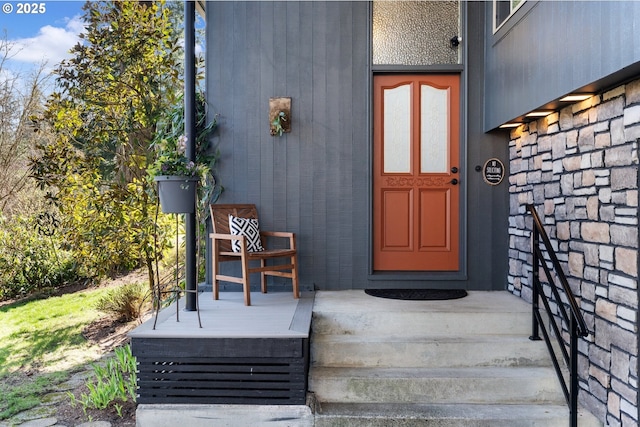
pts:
[42, 344]
[26, 394]
[114, 382]
[30, 259]
[169, 145]
[172, 159]
[126, 301]
[171, 129]
[47, 332]
[122, 77]
[278, 123]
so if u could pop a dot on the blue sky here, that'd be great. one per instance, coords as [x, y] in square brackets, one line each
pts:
[23, 25]
[44, 36]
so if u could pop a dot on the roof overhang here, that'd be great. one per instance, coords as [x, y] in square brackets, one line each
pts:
[201, 7]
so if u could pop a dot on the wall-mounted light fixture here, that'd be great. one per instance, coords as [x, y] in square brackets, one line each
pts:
[576, 97]
[547, 109]
[510, 125]
[539, 113]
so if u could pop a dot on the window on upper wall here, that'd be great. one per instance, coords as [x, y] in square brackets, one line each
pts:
[502, 10]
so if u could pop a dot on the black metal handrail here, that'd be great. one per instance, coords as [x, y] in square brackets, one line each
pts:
[573, 318]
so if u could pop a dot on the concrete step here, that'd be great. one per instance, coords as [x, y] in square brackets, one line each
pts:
[453, 415]
[421, 323]
[481, 313]
[424, 385]
[457, 363]
[223, 415]
[427, 351]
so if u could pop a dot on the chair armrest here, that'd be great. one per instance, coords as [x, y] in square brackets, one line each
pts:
[285, 234]
[277, 234]
[216, 237]
[219, 236]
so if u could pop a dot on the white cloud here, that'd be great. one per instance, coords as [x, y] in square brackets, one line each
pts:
[51, 44]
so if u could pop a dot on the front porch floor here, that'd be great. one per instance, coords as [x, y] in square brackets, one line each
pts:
[256, 355]
[271, 315]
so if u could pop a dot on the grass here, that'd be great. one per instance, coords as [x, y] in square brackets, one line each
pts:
[21, 392]
[42, 342]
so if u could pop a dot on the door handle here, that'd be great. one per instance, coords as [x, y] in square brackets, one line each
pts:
[454, 169]
[454, 181]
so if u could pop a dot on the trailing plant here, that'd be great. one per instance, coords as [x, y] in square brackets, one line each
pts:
[113, 384]
[170, 143]
[172, 159]
[169, 146]
[126, 302]
[278, 124]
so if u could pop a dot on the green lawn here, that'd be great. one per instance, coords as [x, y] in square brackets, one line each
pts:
[42, 343]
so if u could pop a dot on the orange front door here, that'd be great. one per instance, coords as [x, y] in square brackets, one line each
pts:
[416, 172]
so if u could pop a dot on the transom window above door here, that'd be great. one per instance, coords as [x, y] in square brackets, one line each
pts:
[415, 32]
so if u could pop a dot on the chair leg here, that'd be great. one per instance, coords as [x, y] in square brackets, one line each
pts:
[246, 286]
[263, 277]
[216, 289]
[214, 271]
[294, 276]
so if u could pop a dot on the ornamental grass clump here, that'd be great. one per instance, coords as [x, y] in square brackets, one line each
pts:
[126, 302]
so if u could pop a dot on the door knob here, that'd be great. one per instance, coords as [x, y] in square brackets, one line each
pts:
[454, 170]
[454, 181]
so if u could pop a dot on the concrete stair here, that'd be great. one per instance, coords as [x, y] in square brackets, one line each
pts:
[467, 362]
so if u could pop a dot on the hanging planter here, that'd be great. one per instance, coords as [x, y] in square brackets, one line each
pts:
[177, 193]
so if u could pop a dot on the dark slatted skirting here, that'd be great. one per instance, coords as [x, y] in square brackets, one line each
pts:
[221, 380]
[261, 356]
[222, 370]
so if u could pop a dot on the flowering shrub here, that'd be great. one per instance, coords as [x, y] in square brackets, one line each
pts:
[171, 159]
[169, 151]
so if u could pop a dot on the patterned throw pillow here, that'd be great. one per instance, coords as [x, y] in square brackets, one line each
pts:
[247, 227]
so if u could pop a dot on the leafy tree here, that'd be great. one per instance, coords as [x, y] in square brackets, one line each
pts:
[123, 75]
[21, 97]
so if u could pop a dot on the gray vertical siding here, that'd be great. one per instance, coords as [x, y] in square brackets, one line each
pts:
[550, 48]
[487, 206]
[313, 180]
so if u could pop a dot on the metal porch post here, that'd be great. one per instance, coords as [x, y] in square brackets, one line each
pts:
[190, 131]
[573, 361]
[535, 332]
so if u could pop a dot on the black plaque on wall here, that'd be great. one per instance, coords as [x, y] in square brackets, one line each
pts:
[493, 171]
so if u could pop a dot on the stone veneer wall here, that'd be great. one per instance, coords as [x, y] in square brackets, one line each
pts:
[579, 167]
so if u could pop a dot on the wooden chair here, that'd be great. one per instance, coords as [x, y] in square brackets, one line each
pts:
[221, 244]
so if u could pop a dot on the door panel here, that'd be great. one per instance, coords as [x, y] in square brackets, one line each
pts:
[398, 216]
[416, 172]
[434, 210]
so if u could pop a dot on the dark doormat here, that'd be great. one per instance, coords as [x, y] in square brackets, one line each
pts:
[417, 294]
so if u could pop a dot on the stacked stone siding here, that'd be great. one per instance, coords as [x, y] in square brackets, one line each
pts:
[579, 168]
